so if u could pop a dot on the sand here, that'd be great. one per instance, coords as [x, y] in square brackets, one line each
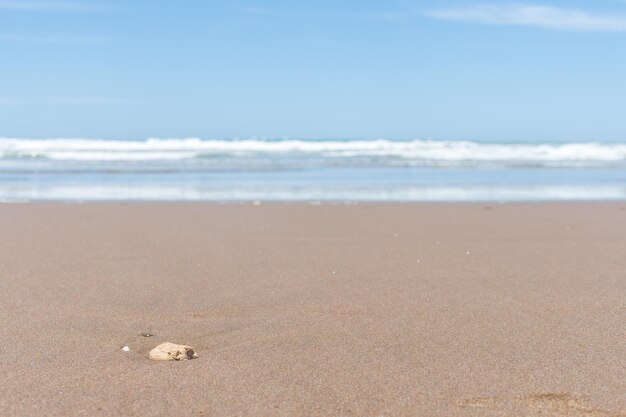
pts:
[306, 310]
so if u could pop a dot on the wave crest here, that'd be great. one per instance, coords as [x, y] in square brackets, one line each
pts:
[377, 152]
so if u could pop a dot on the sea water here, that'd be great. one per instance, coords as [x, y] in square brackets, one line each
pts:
[311, 170]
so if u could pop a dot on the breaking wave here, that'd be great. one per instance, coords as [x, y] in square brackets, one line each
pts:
[380, 152]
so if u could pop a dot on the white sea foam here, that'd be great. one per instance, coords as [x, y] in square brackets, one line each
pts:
[183, 192]
[385, 152]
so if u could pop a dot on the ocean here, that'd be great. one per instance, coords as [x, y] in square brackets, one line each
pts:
[308, 170]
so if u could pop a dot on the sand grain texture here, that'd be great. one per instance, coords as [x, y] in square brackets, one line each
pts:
[329, 310]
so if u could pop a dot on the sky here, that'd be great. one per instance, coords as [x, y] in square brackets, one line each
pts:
[455, 70]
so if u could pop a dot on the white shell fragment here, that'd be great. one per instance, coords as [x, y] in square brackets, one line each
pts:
[125, 349]
[172, 352]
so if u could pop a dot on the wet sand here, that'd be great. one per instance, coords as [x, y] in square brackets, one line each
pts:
[330, 310]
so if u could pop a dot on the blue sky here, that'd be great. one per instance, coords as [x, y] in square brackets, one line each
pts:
[478, 70]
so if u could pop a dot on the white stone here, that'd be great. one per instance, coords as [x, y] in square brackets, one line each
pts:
[172, 352]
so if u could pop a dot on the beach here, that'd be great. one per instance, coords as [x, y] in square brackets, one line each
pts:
[299, 309]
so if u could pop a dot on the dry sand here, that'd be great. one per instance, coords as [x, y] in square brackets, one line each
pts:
[331, 310]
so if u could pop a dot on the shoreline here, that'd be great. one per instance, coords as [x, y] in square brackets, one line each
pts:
[315, 202]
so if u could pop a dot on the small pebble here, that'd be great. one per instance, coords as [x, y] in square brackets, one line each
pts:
[125, 349]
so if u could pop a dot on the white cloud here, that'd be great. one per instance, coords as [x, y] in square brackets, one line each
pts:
[51, 39]
[14, 101]
[279, 13]
[533, 15]
[82, 100]
[50, 6]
